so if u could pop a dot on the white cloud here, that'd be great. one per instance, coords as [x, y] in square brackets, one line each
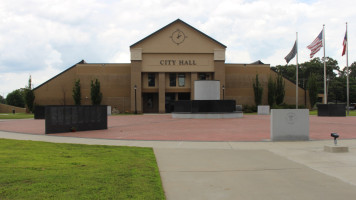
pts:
[46, 37]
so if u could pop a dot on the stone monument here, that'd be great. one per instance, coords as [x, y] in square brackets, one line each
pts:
[289, 124]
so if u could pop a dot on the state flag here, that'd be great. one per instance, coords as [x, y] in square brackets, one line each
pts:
[344, 43]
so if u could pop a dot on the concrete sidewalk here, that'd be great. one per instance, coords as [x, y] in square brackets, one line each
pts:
[242, 170]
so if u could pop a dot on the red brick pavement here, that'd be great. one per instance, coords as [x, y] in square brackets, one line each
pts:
[164, 127]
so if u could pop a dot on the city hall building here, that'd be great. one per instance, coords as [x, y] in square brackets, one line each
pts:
[163, 68]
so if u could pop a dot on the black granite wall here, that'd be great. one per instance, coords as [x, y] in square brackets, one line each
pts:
[59, 119]
[205, 106]
[39, 112]
[332, 110]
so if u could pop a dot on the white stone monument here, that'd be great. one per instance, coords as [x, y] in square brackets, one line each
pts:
[289, 124]
[207, 90]
[263, 110]
[109, 110]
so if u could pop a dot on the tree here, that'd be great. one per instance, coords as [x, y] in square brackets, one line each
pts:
[287, 71]
[280, 92]
[29, 95]
[258, 90]
[271, 92]
[352, 70]
[2, 100]
[76, 93]
[96, 95]
[337, 90]
[352, 90]
[16, 98]
[313, 89]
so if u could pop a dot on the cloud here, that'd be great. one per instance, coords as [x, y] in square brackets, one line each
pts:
[43, 37]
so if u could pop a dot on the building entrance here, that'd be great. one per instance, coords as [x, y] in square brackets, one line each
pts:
[150, 102]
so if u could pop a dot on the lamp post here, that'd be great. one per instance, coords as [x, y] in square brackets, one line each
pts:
[223, 87]
[135, 87]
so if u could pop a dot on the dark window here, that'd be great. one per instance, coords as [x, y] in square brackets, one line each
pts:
[172, 79]
[202, 76]
[181, 80]
[151, 79]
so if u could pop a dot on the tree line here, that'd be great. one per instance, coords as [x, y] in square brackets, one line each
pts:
[313, 71]
[20, 97]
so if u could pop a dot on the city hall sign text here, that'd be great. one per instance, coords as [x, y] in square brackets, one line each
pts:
[177, 62]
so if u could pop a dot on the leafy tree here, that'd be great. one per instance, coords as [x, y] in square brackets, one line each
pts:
[96, 95]
[271, 92]
[16, 98]
[76, 93]
[337, 90]
[2, 100]
[313, 89]
[352, 89]
[258, 90]
[280, 92]
[352, 70]
[29, 95]
[288, 71]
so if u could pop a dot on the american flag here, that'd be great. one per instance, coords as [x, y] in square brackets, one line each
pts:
[344, 44]
[316, 45]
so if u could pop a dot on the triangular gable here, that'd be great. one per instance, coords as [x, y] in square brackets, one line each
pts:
[186, 26]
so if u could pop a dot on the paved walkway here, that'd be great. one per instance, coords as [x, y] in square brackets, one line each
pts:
[239, 170]
[242, 170]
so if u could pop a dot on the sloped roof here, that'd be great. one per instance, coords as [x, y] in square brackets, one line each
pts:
[81, 62]
[178, 20]
[258, 62]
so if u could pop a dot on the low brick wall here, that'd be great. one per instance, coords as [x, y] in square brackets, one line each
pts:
[8, 109]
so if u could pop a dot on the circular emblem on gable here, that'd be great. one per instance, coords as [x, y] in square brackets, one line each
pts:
[178, 37]
[291, 118]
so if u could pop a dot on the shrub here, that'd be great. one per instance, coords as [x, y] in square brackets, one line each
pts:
[96, 95]
[258, 90]
[249, 109]
[280, 92]
[76, 93]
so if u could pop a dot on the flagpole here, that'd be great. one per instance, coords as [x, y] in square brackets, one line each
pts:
[347, 69]
[325, 93]
[296, 85]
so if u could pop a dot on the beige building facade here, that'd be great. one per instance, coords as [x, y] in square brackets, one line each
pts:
[163, 68]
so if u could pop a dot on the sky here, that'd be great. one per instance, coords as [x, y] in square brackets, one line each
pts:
[42, 38]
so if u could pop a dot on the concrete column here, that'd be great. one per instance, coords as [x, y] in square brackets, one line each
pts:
[193, 77]
[219, 74]
[161, 92]
[136, 68]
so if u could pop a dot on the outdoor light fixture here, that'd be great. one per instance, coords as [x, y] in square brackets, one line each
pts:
[135, 88]
[335, 136]
[223, 88]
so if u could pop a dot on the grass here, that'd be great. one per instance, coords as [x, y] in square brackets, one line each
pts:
[16, 116]
[40, 170]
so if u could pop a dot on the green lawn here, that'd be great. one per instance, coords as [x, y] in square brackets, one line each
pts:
[16, 116]
[40, 170]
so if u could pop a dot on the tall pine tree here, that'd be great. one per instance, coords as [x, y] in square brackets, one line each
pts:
[258, 90]
[96, 95]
